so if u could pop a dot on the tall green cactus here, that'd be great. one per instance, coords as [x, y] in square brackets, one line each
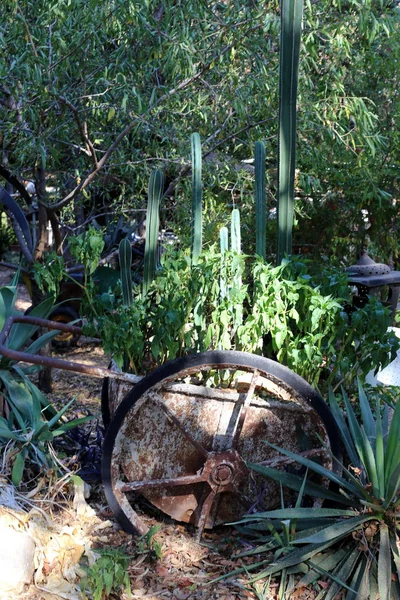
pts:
[261, 203]
[197, 195]
[125, 265]
[223, 240]
[156, 185]
[291, 18]
[236, 246]
[235, 231]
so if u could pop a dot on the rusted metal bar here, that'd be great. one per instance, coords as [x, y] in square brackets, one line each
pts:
[243, 409]
[159, 483]
[49, 361]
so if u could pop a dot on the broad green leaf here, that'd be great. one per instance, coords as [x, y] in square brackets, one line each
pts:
[18, 395]
[21, 332]
[41, 341]
[370, 464]
[342, 574]
[317, 468]
[344, 430]
[5, 432]
[360, 581]
[292, 558]
[18, 468]
[384, 564]
[392, 455]
[327, 562]
[356, 432]
[367, 416]
[395, 553]
[380, 453]
[336, 531]
[8, 296]
[392, 486]
[301, 513]
[295, 482]
[71, 424]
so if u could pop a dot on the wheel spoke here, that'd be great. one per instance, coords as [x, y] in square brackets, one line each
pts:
[205, 509]
[174, 419]
[139, 486]
[236, 426]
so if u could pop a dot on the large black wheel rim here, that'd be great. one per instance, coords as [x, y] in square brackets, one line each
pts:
[183, 435]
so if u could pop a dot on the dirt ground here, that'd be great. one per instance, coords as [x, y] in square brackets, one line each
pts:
[185, 568]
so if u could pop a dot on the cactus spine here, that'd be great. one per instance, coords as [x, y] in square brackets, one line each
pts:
[125, 265]
[291, 17]
[155, 192]
[261, 204]
[197, 225]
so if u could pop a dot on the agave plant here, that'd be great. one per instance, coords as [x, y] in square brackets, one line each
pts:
[353, 546]
[25, 432]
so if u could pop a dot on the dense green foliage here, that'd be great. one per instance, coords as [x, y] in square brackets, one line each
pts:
[94, 95]
[230, 301]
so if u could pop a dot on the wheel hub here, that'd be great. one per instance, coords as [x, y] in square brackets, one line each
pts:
[222, 474]
[224, 471]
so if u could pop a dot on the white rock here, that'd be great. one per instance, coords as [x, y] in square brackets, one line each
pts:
[17, 550]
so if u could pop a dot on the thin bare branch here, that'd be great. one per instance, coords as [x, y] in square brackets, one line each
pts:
[82, 126]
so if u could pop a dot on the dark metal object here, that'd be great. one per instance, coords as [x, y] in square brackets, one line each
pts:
[183, 436]
[55, 363]
[370, 278]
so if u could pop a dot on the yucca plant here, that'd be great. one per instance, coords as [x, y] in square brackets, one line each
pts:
[353, 547]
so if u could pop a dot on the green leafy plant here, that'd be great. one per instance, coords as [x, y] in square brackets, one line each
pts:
[354, 545]
[86, 248]
[292, 313]
[23, 426]
[108, 575]
[146, 544]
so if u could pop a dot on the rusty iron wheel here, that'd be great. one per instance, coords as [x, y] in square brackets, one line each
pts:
[183, 436]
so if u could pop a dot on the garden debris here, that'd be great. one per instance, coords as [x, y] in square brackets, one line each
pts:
[56, 544]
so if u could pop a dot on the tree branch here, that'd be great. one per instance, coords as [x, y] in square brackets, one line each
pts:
[81, 126]
[184, 84]
[16, 183]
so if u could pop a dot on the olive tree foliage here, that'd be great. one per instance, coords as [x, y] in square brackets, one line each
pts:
[96, 94]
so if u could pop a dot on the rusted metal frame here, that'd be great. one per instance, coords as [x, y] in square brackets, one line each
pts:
[49, 361]
[159, 483]
[205, 509]
[244, 408]
[174, 419]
